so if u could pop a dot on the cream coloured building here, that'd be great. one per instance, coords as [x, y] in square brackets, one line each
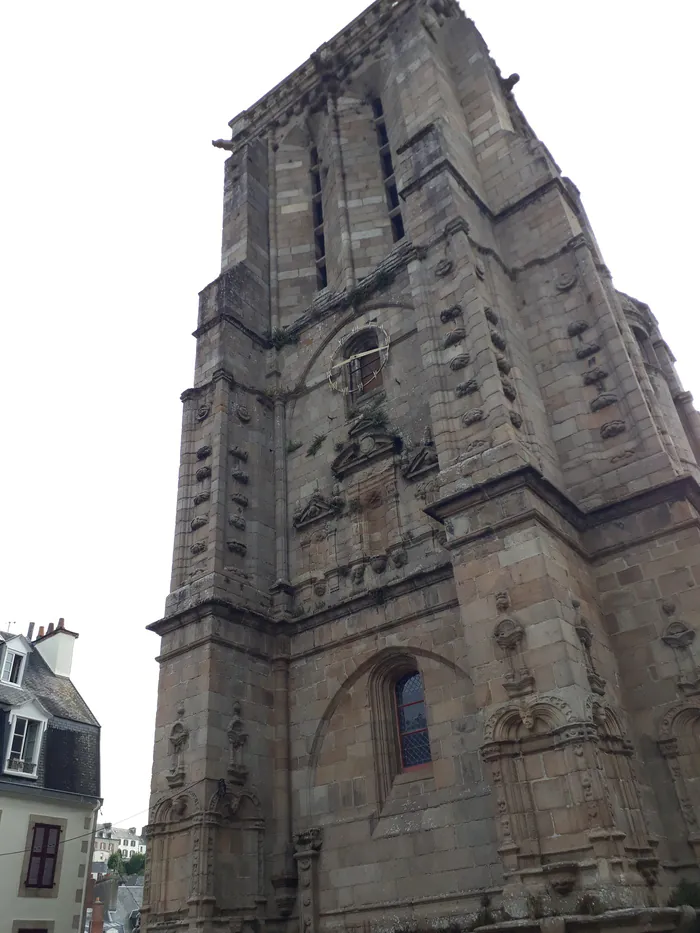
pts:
[49, 784]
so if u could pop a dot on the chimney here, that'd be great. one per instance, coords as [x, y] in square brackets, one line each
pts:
[56, 647]
[30, 631]
[98, 917]
[41, 632]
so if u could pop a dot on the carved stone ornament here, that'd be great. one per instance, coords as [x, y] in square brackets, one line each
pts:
[454, 337]
[479, 269]
[508, 389]
[356, 454]
[239, 454]
[472, 416]
[604, 400]
[508, 634]
[308, 841]
[240, 476]
[203, 473]
[502, 601]
[516, 419]
[201, 497]
[565, 281]
[317, 508]
[518, 683]
[179, 734]
[503, 364]
[198, 522]
[237, 738]
[357, 574]
[203, 412]
[612, 429]
[243, 413]
[204, 452]
[199, 547]
[678, 635]
[466, 388]
[498, 340]
[399, 558]
[418, 461]
[459, 362]
[589, 349]
[237, 521]
[378, 563]
[237, 547]
[491, 316]
[240, 499]
[594, 376]
[450, 314]
[443, 268]
[577, 328]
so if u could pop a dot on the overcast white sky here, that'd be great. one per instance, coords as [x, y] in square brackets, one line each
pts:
[110, 223]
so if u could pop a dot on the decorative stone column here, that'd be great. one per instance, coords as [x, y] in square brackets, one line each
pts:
[307, 846]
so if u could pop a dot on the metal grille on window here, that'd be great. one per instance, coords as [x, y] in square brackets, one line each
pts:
[392, 195]
[364, 369]
[412, 723]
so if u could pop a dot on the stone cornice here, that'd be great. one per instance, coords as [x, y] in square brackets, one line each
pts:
[528, 478]
[332, 64]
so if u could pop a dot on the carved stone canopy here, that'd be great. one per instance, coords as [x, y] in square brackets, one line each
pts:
[678, 635]
[508, 634]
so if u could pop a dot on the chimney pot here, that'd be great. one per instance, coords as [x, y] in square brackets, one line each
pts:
[30, 631]
[41, 632]
[50, 628]
[60, 623]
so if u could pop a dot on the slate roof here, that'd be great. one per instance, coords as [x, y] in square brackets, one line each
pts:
[69, 759]
[57, 694]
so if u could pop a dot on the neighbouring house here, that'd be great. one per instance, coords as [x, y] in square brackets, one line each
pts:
[110, 839]
[49, 783]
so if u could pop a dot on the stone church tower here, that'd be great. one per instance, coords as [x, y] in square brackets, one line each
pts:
[429, 655]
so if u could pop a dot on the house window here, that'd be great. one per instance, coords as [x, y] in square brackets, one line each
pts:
[43, 856]
[390, 190]
[414, 742]
[317, 216]
[23, 751]
[12, 667]
[364, 364]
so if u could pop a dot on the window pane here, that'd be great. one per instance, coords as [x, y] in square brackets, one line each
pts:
[409, 689]
[16, 667]
[415, 749]
[412, 717]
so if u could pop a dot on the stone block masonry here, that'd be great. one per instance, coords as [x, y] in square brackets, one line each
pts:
[429, 655]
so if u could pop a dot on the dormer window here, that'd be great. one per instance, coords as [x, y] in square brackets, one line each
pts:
[12, 667]
[23, 750]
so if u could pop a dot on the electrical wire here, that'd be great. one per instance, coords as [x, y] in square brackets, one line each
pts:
[91, 832]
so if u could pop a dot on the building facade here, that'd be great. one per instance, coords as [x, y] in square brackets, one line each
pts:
[110, 839]
[49, 784]
[429, 654]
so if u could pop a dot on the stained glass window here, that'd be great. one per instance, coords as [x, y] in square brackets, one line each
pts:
[412, 722]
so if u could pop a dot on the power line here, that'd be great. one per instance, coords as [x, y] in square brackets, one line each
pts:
[90, 833]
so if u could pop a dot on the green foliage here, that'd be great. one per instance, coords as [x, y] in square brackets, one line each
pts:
[281, 338]
[115, 863]
[687, 892]
[315, 444]
[135, 865]
[293, 445]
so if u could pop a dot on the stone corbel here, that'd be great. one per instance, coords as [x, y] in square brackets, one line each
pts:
[307, 845]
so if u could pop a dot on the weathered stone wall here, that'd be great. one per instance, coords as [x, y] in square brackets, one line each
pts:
[510, 509]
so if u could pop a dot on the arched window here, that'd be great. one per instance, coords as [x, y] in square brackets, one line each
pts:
[412, 725]
[364, 367]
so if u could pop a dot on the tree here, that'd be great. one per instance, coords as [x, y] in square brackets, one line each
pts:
[135, 865]
[115, 863]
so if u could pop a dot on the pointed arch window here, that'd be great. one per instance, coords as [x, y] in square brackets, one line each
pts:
[411, 721]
